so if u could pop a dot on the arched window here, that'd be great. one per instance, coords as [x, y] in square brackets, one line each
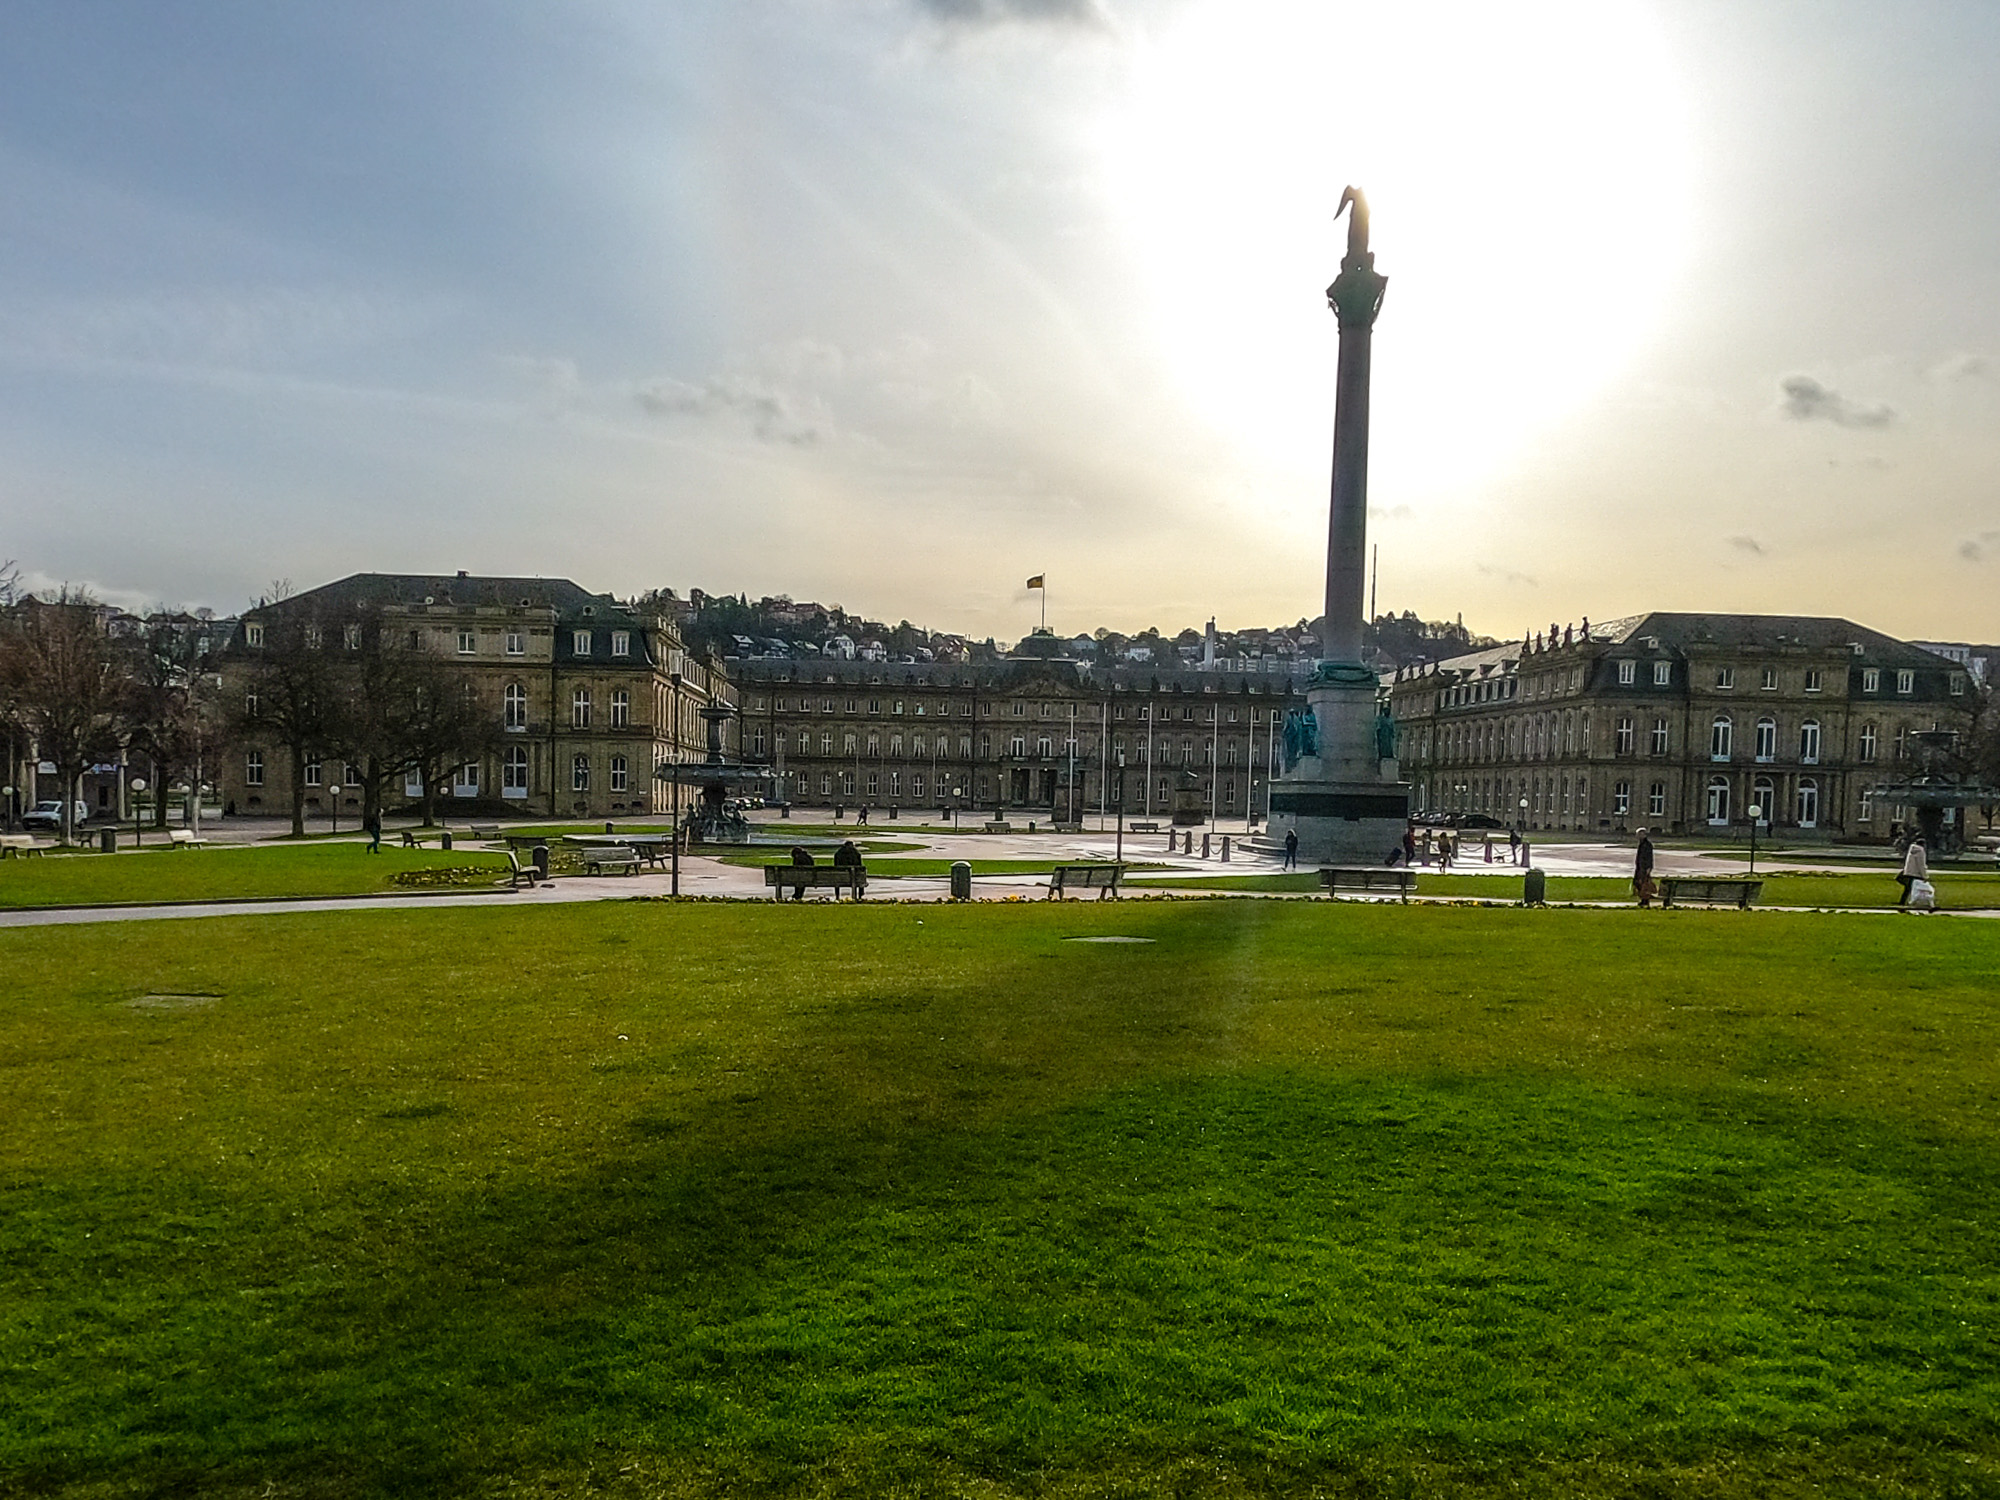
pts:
[514, 773]
[1718, 799]
[1764, 797]
[514, 706]
[1809, 742]
[1767, 739]
[1721, 738]
[1808, 812]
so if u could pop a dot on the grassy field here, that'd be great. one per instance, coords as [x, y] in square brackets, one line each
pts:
[271, 871]
[892, 869]
[1860, 891]
[703, 1200]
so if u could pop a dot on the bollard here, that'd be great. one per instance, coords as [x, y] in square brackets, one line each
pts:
[107, 840]
[444, 839]
[1225, 848]
[1534, 889]
[1204, 843]
[539, 855]
[607, 826]
[961, 880]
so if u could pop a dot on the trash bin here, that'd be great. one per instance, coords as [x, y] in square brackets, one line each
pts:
[607, 826]
[107, 840]
[444, 839]
[540, 856]
[961, 880]
[1534, 888]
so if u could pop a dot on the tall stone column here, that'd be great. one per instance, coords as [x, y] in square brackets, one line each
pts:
[1340, 792]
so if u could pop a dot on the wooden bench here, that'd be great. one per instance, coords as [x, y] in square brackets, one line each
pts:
[800, 878]
[518, 872]
[1338, 878]
[484, 830]
[597, 861]
[997, 828]
[411, 840]
[1104, 878]
[526, 840]
[184, 838]
[1708, 890]
[20, 845]
[1146, 827]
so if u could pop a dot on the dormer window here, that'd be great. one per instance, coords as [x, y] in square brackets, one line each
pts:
[1871, 680]
[621, 643]
[1628, 673]
[1906, 682]
[579, 642]
[1663, 673]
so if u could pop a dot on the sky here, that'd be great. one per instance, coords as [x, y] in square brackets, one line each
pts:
[894, 303]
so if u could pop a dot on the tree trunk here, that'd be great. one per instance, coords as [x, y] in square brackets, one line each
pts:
[298, 793]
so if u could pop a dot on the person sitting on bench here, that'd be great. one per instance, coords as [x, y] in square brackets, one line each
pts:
[802, 857]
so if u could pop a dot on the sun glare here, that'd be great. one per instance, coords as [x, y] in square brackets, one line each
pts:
[1526, 166]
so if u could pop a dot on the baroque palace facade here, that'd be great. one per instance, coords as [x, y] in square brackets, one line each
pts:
[1023, 734]
[586, 696]
[1678, 722]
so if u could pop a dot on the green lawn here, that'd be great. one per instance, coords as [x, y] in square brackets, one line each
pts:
[1861, 890]
[893, 869]
[701, 1200]
[220, 872]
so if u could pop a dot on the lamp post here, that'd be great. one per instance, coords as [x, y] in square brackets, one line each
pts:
[957, 800]
[7, 809]
[675, 888]
[138, 784]
[1119, 797]
[1521, 823]
[1755, 812]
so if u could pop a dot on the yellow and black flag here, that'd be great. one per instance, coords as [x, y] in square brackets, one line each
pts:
[1036, 582]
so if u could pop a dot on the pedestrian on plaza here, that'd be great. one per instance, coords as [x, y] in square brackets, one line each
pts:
[371, 824]
[1424, 848]
[1513, 846]
[1915, 867]
[1444, 850]
[1489, 848]
[1642, 869]
[861, 818]
[1409, 845]
[1291, 849]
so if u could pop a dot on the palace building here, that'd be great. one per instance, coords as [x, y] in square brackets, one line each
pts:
[585, 696]
[1677, 722]
[1019, 735]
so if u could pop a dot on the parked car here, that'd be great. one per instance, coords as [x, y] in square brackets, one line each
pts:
[49, 815]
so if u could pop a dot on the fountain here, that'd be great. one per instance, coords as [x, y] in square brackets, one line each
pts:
[721, 782]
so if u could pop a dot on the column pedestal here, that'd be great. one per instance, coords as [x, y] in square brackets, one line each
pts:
[1347, 803]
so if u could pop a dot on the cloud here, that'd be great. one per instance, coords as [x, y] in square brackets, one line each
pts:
[1748, 544]
[768, 412]
[1000, 12]
[1978, 548]
[1507, 575]
[1806, 400]
[1963, 367]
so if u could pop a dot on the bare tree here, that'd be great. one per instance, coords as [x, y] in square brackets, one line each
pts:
[66, 683]
[170, 711]
[290, 691]
[447, 724]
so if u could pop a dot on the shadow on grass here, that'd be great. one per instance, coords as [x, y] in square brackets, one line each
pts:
[1054, 1222]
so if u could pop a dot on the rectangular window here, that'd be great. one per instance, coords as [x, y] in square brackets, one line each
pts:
[1663, 673]
[516, 646]
[1867, 742]
[579, 642]
[1624, 740]
[465, 780]
[1871, 680]
[1768, 679]
[1725, 677]
[253, 634]
[1656, 800]
[468, 643]
[579, 709]
[351, 638]
[1813, 680]
[253, 768]
[1906, 682]
[1628, 673]
[1621, 799]
[514, 773]
[1659, 737]
[579, 774]
[621, 712]
[312, 773]
[618, 773]
[1958, 684]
